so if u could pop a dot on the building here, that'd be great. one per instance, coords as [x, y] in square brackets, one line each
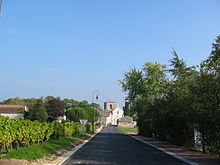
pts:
[111, 114]
[103, 117]
[13, 111]
[61, 119]
[110, 105]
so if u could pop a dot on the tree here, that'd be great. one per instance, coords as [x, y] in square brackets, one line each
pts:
[133, 85]
[77, 113]
[30, 102]
[212, 64]
[38, 112]
[143, 88]
[84, 104]
[14, 101]
[180, 117]
[127, 110]
[154, 90]
[207, 97]
[155, 80]
[93, 113]
[70, 103]
[48, 98]
[55, 109]
[170, 109]
[180, 68]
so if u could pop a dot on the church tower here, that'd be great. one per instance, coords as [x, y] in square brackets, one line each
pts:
[110, 105]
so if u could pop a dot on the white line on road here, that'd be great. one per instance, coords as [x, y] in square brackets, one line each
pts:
[168, 152]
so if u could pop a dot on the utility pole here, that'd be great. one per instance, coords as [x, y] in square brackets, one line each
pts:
[0, 7]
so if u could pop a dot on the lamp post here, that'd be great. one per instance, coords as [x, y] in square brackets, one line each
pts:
[95, 94]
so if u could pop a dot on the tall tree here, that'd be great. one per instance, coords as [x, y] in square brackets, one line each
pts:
[155, 80]
[154, 89]
[55, 109]
[212, 64]
[133, 85]
[38, 112]
[208, 90]
[180, 68]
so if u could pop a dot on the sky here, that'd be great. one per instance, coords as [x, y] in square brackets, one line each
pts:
[70, 48]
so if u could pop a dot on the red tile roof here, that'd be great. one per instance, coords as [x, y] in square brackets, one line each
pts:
[13, 109]
[110, 101]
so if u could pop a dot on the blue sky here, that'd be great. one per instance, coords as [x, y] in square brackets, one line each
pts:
[69, 48]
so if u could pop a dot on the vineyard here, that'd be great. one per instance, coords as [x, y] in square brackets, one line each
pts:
[20, 132]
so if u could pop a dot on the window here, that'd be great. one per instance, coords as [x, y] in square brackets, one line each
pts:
[110, 106]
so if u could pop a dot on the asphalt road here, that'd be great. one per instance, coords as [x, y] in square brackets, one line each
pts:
[111, 147]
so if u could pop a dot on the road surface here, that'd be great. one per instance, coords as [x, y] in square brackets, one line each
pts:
[109, 147]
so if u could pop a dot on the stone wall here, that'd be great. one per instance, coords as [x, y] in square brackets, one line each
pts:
[132, 124]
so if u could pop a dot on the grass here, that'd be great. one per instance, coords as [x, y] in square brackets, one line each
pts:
[37, 151]
[128, 130]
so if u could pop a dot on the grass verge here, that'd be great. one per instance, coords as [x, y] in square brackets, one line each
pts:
[37, 151]
[128, 130]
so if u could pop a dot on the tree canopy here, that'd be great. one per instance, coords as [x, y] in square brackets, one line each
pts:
[38, 112]
[171, 102]
[77, 113]
[55, 108]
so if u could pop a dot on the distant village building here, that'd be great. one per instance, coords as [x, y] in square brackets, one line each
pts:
[13, 111]
[110, 105]
[127, 122]
[111, 114]
[61, 118]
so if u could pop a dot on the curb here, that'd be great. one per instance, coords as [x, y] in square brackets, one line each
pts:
[78, 147]
[167, 152]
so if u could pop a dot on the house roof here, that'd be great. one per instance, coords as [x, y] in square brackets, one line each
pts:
[104, 113]
[109, 101]
[13, 109]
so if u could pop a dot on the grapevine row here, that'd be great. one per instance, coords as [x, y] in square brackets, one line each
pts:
[21, 132]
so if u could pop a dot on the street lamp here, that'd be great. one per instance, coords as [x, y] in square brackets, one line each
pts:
[95, 94]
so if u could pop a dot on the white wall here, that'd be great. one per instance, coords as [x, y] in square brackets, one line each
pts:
[116, 114]
[12, 116]
[109, 119]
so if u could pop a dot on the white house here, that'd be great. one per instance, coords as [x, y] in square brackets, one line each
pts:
[111, 114]
[13, 111]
